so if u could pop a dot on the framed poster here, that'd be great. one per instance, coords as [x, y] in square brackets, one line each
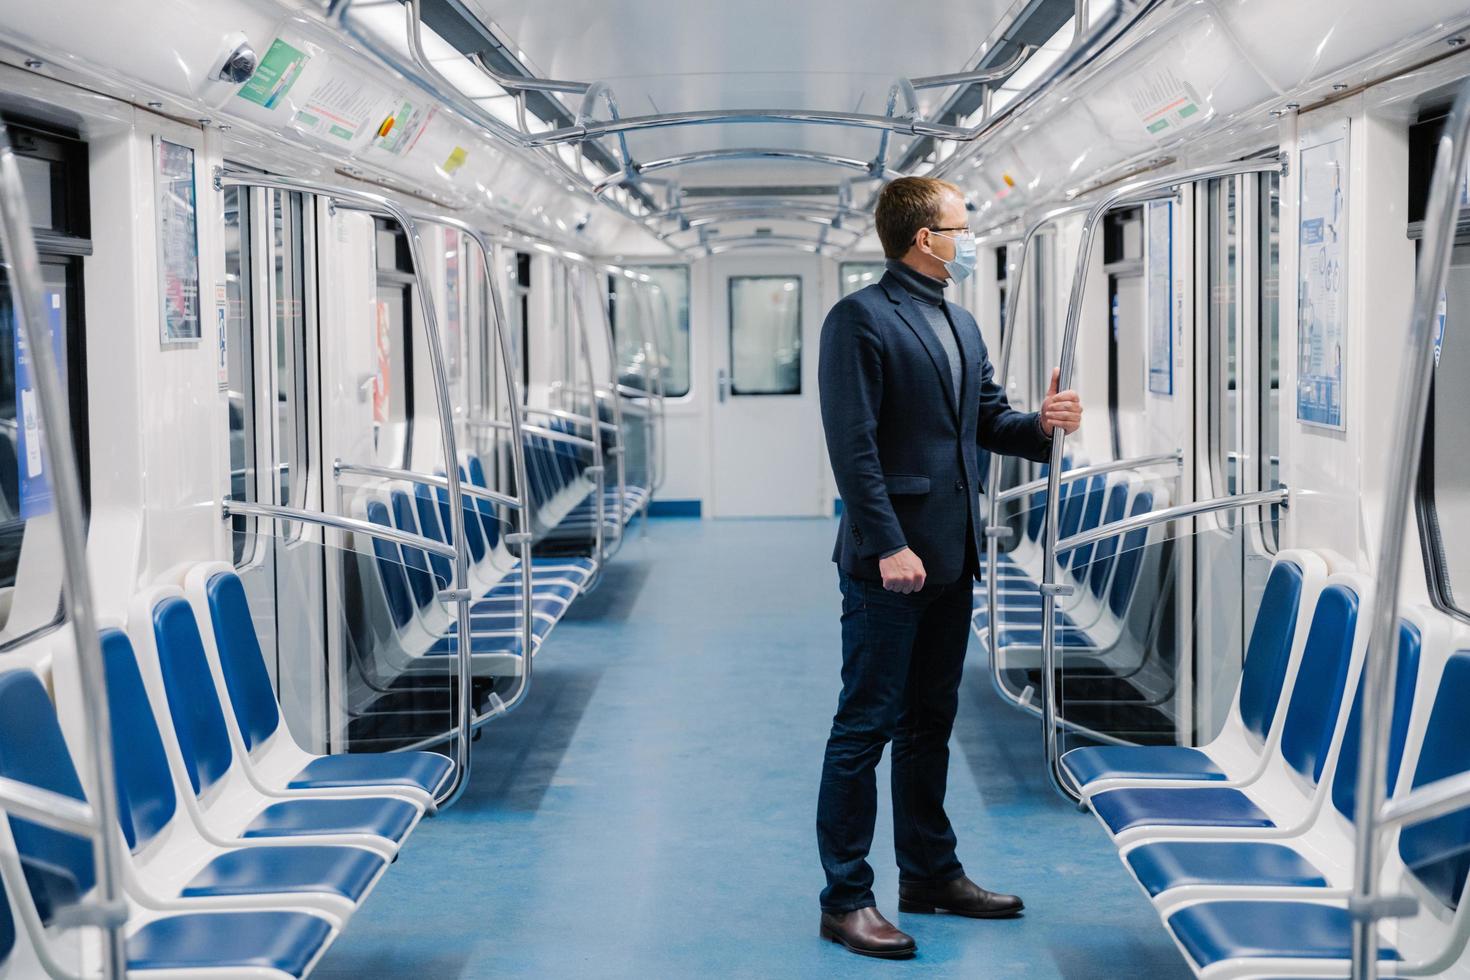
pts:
[178, 242]
[1159, 274]
[1322, 276]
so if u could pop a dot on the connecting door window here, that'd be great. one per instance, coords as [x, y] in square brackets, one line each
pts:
[1268, 362]
[650, 315]
[858, 275]
[765, 335]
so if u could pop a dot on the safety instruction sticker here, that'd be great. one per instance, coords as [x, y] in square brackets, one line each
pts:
[1164, 102]
[222, 343]
[1322, 265]
[35, 487]
[402, 128]
[275, 74]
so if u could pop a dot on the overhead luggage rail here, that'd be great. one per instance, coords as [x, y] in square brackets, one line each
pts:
[1372, 816]
[108, 911]
[1049, 587]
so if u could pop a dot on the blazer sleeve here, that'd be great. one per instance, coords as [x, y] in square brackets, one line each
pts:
[1004, 430]
[850, 383]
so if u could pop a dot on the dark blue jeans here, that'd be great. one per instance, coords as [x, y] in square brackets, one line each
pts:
[902, 656]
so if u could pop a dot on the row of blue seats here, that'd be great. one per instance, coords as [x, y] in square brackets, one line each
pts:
[1245, 845]
[1105, 576]
[243, 855]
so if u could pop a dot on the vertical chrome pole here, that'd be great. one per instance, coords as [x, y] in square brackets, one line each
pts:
[620, 449]
[598, 468]
[19, 244]
[1401, 470]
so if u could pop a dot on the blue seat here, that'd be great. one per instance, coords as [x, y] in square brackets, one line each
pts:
[259, 717]
[1437, 851]
[1261, 680]
[1172, 864]
[204, 742]
[345, 871]
[1306, 739]
[380, 816]
[1214, 931]
[33, 751]
[284, 941]
[1169, 864]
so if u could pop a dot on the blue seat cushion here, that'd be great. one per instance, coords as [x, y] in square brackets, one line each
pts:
[421, 770]
[1139, 762]
[1214, 931]
[345, 871]
[1023, 618]
[1067, 636]
[284, 941]
[545, 605]
[1170, 864]
[378, 816]
[511, 588]
[1214, 806]
[446, 646]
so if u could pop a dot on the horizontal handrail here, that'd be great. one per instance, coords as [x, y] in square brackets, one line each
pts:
[561, 413]
[555, 435]
[275, 512]
[47, 808]
[1257, 499]
[1426, 802]
[1083, 472]
[411, 476]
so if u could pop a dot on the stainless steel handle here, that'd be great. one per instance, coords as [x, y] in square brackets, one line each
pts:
[722, 382]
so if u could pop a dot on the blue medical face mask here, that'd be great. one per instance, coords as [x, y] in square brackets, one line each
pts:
[962, 266]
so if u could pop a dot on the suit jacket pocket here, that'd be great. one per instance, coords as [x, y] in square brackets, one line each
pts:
[899, 483]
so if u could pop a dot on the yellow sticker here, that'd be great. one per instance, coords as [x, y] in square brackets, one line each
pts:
[1010, 181]
[456, 160]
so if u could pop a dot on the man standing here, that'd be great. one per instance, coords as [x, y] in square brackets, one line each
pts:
[908, 399]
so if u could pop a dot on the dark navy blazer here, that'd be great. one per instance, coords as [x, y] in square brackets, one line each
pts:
[903, 447]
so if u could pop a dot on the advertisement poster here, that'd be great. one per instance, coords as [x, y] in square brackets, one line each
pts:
[178, 242]
[384, 375]
[1322, 289]
[35, 487]
[1159, 274]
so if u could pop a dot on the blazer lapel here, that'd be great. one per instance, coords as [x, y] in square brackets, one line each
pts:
[971, 347]
[910, 314]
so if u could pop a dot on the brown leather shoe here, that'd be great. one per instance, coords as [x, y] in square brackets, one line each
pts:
[960, 896]
[866, 932]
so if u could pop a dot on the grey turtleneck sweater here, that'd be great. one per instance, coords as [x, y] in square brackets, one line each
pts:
[930, 294]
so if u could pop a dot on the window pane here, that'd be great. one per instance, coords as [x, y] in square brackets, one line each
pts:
[1223, 327]
[856, 275]
[765, 335]
[290, 322]
[36, 180]
[1269, 474]
[240, 361]
[1450, 462]
[651, 323]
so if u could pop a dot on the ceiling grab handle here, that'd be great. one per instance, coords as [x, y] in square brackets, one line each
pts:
[377, 203]
[1050, 587]
[109, 909]
[1405, 447]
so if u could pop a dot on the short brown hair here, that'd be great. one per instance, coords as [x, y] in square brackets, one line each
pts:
[906, 205]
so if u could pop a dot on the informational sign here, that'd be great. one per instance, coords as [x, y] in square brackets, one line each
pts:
[1439, 317]
[1322, 289]
[178, 241]
[1159, 274]
[398, 133]
[35, 486]
[222, 341]
[315, 93]
[274, 76]
[1164, 102]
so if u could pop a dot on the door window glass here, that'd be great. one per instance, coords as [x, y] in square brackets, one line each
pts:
[765, 335]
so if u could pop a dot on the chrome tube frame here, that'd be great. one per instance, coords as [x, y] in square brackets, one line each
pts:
[656, 431]
[722, 155]
[109, 910]
[366, 201]
[49, 809]
[565, 416]
[1402, 469]
[1050, 588]
[350, 525]
[1084, 472]
[556, 435]
[589, 273]
[1281, 496]
[981, 76]
[598, 469]
[409, 476]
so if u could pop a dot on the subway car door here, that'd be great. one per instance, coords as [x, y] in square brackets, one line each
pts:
[767, 457]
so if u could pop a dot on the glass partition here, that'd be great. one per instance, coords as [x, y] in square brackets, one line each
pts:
[765, 335]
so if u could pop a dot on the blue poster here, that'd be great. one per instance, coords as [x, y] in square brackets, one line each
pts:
[1322, 278]
[1160, 275]
[35, 488]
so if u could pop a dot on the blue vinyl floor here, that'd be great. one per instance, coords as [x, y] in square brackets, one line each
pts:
[649, 812]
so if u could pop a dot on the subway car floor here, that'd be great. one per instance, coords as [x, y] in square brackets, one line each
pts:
[650, 811]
